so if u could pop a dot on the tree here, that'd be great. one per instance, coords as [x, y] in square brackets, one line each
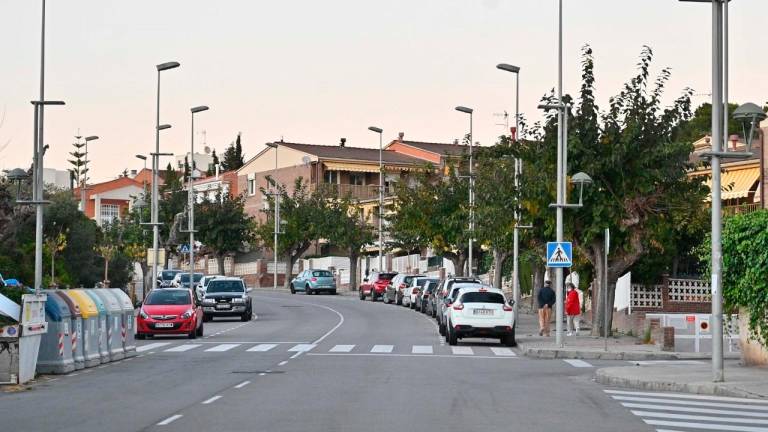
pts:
[639, 168]
[349, 231]
[233, 157]
[78, 170]
[223, 226]
[700, 125]
[212, 167]
[55, 244]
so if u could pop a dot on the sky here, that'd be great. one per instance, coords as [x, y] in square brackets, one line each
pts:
[314, 71]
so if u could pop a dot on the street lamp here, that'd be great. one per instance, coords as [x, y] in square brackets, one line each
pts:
[276, 202]
[750, 115]
[17, 175]
[469, 111]
[194, 174]
[518, 171]
[155, 168]
[379, 131]
[85, 172]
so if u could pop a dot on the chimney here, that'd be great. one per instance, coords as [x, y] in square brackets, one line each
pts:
[133, 173]
[734, 141]
[343, 142]
[400, 136]
[455, 141]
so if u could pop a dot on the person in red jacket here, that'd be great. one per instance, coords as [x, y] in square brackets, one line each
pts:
[572, 309]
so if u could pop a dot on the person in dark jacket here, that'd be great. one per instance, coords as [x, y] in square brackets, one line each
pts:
[546, 299]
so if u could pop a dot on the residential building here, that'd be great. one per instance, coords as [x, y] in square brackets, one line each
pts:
[203, 161]
[209, 188]
[110, 200]
[57, 178]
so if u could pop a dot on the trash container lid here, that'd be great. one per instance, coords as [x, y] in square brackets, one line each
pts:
[95, 299]
[56, 309]
[122, 299]
[74, 308]
[110, 301]
[88, 308]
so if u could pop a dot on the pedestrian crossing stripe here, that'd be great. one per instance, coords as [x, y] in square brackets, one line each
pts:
[559, 254]
[419, 350]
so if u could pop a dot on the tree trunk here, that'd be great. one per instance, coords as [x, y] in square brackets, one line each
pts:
[538, 282]
[144, 276]
[499, 258]
[220, 261]
[459, 261]
[289, 270]
[354, 257]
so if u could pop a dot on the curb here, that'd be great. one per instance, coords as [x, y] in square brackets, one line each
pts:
[607, 377]
[592, 354]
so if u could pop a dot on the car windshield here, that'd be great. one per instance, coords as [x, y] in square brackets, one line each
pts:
[387, 276]
[168, 297]
[482, 297]
[184, 278]
[218, 286]
[422, 282]
[322, 273]
[168, 274]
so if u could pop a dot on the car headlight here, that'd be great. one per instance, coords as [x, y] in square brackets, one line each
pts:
[187, 314]
[238, 300]
[209, 301]
[143, 314]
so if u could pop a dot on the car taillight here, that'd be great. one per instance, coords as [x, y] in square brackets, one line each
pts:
[458, 306]
[314, 279]
[415, 290]
[507, 308]
[402, 285]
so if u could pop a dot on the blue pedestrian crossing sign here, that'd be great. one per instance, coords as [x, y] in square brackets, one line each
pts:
[184, 249]
[559, 254]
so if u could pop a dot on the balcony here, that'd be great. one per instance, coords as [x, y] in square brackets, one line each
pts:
[740, 209]
[358, 192]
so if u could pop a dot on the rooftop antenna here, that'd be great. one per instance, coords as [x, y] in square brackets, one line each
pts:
[505, 114]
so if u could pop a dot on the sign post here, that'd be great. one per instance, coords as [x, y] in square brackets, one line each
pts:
[605, 286]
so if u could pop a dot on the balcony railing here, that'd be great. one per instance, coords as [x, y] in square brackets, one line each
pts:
[359, 192]
[741, 209]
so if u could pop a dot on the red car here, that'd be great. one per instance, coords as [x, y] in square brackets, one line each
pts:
[375, 284]
[170, 311]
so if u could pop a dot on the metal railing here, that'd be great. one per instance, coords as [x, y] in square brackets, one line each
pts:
[741, 209]
[359, 192]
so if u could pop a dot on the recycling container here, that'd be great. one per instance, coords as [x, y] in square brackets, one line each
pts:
[76, 328]
[90, 315]
[114, 323]
[55, 354]
[127, 328]
[102, 323]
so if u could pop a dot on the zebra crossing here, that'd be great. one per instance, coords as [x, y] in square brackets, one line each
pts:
[673, 412]
[340, 349]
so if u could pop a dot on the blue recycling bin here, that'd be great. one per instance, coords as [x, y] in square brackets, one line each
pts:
[76, 329]
[55, 354]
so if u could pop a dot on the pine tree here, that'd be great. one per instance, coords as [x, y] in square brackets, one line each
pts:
[233, 157]
[78, 163]
[212, 167]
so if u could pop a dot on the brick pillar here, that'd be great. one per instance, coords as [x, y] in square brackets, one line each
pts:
[668, 342]
[665, 292]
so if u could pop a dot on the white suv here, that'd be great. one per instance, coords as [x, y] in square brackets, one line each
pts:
[481, 312]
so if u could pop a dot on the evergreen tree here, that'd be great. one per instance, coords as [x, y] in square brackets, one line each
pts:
[78, 162]
[233, 157]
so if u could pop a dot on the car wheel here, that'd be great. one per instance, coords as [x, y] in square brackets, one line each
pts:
[140, 336]
[206, 317]
[362, 295]
[509, 340]
[373, 295]
[441, 329]
[453, 338]
[412, 306]
[398, 300]
[293, 290]
[308, 290]
[333, 292]
[200, 330]
[192, 334]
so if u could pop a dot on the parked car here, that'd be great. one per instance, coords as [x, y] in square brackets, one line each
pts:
[422, 303]
[375, 284]
[313, 281]
[481, 311]
[450, 295]
[181, 280]
[205, 280]
[413, 289]
[165, 278]
[227, 296]
[396, 288]
[170, 311]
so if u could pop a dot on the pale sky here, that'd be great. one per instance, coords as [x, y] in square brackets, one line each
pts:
[313, 71]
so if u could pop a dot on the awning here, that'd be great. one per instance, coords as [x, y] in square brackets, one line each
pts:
[353, 167]
[736, 183]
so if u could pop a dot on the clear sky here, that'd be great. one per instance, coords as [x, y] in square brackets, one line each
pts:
[314, 71]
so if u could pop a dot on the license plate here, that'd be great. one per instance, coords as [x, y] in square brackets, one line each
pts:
[223, 306]
[164, 325]
[483, 311]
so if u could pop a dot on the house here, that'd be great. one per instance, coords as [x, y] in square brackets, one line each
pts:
[110, 200]
[209, 188]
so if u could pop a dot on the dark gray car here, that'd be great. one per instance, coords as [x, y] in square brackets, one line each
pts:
[227, 296]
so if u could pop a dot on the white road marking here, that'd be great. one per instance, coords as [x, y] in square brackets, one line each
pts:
[342, 348]
[688, 396]
[421, 349]
[262, 374]
[653, 362]
[414, 355]
[382, 348]
[211, 400]
[73, 374]
[151, 346]
[661, 400]
[503, 352]
[170, 419]
[242, 384]
[262, 348]
[222, 347]
[707, 426]
[295, 355]
[462, 350]
[671, 416]
[696, 410]
[302, 348]
[578, 363]
[282, 363]
[182, 348]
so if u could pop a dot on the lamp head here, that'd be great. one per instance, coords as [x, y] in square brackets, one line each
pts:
[17, 175]
[271, 144]
[581, 179]
[198, 109]
[464, 109]
[142, 157]
[750, 115]
[164, 127]
[375, 129]
[508, 68]
[91, 138]
[169, 65]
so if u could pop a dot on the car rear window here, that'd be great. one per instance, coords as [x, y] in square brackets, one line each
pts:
[322, 273]
[185, 277]
[168, 297]
[168, 274]
[219, 286]
[387, 276]
[482, 297]
[422, 282]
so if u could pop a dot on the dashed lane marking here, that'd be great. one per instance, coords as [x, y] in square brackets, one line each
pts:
[503, 352]
[462, 350]
[382, 348]
[242, 384]
[211, 400]
[170, 420]
[300, 348]
[421, 349]
[578, 363]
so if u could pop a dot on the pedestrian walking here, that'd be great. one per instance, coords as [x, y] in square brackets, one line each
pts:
[573, 309]
[546, 299]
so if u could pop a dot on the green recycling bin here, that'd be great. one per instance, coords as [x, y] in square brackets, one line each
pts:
[114, 323]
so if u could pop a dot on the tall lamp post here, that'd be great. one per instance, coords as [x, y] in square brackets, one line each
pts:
[194, 174]
[84, 185]
[381, 193]
[155, 168]
[518, 171]
[471, 188]
[276, 200]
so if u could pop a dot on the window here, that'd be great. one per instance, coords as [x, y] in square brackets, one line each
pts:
[168, 297]
[482, 297]
[357, 179]
[251, 186]
[322, 273]
[331, 177]
[223, 286]
[109, 213]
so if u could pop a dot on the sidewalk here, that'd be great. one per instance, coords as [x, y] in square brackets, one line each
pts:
[741, 381]
[589, 347]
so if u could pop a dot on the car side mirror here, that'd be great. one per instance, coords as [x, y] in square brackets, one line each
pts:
[137, 304]
[249, 290]
[511, 302]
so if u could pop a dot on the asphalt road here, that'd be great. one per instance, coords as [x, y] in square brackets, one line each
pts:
[321, 363]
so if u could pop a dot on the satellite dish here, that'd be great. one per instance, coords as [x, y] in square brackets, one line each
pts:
[307, 160]
[207, 150]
